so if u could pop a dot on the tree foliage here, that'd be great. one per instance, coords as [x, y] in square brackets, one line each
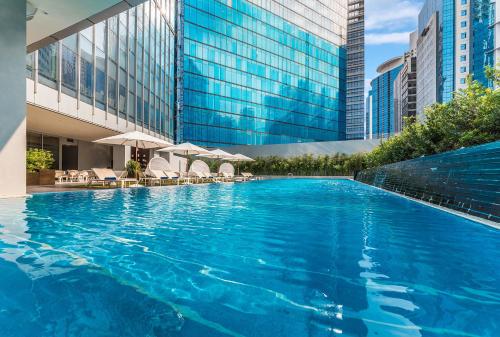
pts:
[38, 159]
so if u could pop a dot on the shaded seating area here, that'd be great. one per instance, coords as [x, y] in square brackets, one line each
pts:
[200, 171]
[158, 171]
[226, 171]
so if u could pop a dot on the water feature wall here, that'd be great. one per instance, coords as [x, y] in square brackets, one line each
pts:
[466, 180]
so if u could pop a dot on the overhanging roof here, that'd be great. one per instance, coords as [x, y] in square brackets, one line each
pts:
[54, 20]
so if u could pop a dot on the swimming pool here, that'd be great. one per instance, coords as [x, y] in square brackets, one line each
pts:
[293, 257]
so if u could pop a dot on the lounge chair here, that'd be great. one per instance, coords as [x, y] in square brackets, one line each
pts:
[108, 176]
[158, 170]
[248, 176]
[155, 176]
[61, 176]
[73, 175]
[200, 170]
[226, 170]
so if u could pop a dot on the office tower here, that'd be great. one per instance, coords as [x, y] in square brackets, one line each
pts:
[428, 66]
[405, 87]
[355, 69]
[262, 72]
[382, 98]
[465, 42]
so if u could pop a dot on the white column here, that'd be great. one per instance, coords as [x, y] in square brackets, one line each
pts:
[121, 155]
[12, 98]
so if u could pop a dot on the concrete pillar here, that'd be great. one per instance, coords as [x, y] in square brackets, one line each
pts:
[121, 155]
[12, 98]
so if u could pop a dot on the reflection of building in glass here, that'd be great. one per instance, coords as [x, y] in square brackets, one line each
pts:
[262, 75]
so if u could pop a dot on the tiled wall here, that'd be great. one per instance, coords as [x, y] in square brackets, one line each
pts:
[466, 180]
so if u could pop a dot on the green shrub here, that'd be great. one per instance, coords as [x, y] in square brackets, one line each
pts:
[133, 168]
[38, 159]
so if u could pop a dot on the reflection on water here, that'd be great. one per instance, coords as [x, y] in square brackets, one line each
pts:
[271, 258]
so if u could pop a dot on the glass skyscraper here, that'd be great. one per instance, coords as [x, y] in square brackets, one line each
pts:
[123, 66]
[381, 99]
[355, 109]
[465, 41]
[262, 72]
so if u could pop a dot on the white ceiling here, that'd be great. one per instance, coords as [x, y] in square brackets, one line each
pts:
[53, 16]
[55, 124]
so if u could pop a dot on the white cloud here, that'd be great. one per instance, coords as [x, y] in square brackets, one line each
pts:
[385, 38]
[391, 15]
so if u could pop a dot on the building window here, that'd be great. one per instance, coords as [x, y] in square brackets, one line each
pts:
[47, 65]
[463, 12]
[463, 24]
[463, 46]
[30, 61]
[464, 2]
[68, 66]
[462, 81]
[463, 58]
[463, 69]
[86, 66]
[100, 66]
[463, 35]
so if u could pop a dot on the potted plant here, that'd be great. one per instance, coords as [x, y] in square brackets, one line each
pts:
[133, 169]
[39, 165]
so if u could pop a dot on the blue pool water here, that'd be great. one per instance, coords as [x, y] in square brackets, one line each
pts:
[292, 258]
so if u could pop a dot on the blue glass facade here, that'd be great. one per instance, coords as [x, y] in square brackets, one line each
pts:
[252, 77]
[123, 65]
[382, 103]
[466, 41]
[448, 50]
[482, 38]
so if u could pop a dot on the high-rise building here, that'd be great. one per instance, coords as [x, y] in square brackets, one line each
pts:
[428, 65]
[262, 72]
[405, 87]
[382, 120]
[465, 38]
[355, 69]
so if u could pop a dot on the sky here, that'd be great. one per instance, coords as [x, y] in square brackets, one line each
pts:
[387, 28]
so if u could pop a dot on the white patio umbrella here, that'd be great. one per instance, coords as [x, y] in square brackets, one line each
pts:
[184, 149]
[217, 154]
[136, 139]
[239, 158]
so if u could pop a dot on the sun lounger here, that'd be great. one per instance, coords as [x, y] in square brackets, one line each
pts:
[107, 176]
[226, 170]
